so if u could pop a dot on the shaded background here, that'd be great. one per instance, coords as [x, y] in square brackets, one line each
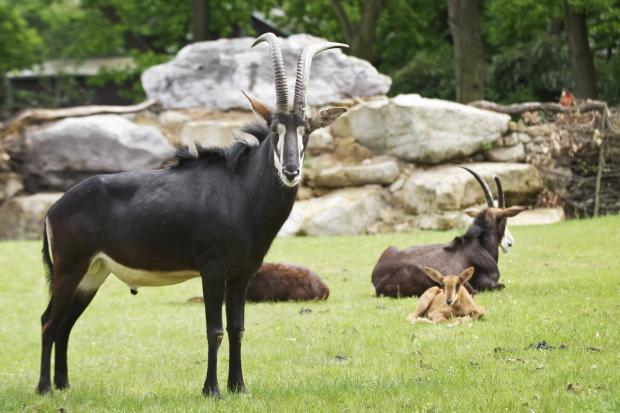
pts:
[500, 50]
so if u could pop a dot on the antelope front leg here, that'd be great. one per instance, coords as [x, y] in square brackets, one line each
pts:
[213, 291]
[235, 307]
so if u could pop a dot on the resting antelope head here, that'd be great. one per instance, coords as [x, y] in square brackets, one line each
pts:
[291, 127]
[450, 284]
[507, 240]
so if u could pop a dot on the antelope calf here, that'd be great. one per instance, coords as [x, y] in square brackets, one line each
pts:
[451, 301]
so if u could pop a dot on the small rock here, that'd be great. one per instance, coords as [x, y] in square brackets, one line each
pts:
[341, 357]
[511, 139]
[508, 154]
[304, 310]
[378, 172]
[320, 141]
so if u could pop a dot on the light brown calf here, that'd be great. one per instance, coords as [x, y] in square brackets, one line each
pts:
[449, 302]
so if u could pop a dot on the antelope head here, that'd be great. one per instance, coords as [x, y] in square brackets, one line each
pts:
[290, 126]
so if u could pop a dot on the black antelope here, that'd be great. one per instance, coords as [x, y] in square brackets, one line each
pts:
[212, 216]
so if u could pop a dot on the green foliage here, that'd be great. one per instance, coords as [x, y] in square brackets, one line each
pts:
[59, 91]
[20, 45]
[524, 40]
[128, 80]
[352, 353]
[427, 73]
[529, 71]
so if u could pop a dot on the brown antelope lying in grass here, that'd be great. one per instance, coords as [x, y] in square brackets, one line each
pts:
[400, 273]
[451, 301]
[284, 282]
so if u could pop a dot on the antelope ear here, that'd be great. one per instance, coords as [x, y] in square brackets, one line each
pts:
[512, 211]
[466, 275]
[325, 118]
[259, 107]
[472, 212]
[434, 274]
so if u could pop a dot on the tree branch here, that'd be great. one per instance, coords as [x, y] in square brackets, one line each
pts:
[30, 115]
[342, 19]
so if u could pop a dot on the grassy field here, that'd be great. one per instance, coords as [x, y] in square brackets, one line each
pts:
[354, 352]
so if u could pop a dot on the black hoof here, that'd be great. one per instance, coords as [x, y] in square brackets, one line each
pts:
[237, 388]
[61, 385]
[213, 392]
[44, 388]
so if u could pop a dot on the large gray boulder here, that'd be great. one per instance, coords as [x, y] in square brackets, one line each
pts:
[423, 130]
[62, 153]
[22, 217]
[450, 188]
[212, 74]
[343, 212]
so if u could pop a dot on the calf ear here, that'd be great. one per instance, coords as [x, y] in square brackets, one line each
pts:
[472, 212]
[466, 275]
[512, 211]
[434, 274]
[325, 118]
[259, 107]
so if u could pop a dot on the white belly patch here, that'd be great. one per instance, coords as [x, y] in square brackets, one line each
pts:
[102, 265]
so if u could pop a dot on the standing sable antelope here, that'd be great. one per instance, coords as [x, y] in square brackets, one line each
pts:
[214, 216]
[451, 301]
[400, 273]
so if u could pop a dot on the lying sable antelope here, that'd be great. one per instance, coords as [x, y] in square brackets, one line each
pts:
[400, 273]
[284, 282]
[451, 302]
[212, 216]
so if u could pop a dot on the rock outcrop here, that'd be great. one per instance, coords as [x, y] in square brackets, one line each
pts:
[58, 155]
[342, 212]
[449, 188]
[212, 74]
[22, 217]
[418, 129]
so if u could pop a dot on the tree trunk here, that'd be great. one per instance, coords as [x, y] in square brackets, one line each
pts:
[201, 13]
[464, 22]
[581, 60]
[360, 35]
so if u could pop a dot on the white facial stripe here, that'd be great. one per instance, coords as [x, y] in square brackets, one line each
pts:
[301, 130]
[277, 162]
[281, 133]
[506, 242]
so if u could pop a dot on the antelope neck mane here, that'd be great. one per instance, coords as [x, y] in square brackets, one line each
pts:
[232, 156]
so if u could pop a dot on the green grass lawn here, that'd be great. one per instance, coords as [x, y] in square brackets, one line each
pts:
[354, 352]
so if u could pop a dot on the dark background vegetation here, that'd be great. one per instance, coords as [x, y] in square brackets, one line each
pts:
[501, 50]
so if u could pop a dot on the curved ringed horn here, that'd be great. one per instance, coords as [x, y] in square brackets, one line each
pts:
[487, 191]
[303, 72]
[501, 200]
[278, 69]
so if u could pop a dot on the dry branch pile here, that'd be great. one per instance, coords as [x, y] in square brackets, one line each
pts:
[577, 150]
